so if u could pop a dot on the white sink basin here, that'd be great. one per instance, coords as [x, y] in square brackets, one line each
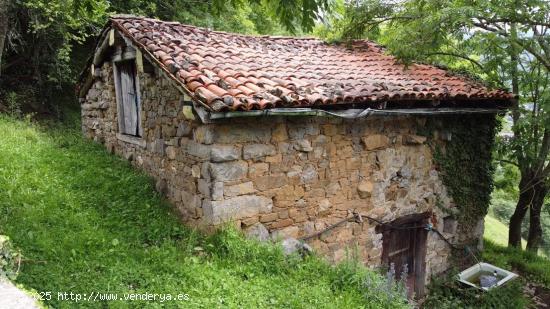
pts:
[471, 275]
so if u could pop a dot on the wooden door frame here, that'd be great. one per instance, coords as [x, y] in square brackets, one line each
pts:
[421, 239]
[119, 57]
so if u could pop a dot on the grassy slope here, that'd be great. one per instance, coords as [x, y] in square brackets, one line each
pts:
[534, 267]
[497, 252]
[86, 221]
[446, 292]
[497, 232]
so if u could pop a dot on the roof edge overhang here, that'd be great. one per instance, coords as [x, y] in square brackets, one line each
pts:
[352, 113]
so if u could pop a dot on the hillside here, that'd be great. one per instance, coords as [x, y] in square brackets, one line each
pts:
[87, 222]
[497, 232]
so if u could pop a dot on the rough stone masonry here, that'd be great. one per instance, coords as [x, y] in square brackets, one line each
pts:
[276, 177]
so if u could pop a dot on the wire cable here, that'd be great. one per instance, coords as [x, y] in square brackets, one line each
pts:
[359, 219]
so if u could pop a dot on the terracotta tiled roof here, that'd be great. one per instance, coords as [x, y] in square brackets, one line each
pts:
[237, 72]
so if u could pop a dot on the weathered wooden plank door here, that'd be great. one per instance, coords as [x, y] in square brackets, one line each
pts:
[404, 246]
[400, 250]
[129, 98]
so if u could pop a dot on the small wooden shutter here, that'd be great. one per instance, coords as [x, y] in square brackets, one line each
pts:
[129, 97]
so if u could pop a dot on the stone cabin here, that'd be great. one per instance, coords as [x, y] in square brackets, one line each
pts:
[286, 137]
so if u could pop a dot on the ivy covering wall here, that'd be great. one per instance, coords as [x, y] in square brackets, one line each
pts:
[464, 160]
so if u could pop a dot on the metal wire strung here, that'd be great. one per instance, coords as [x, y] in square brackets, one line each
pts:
[359, 219]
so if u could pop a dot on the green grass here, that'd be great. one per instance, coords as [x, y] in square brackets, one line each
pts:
[446, 292]
[497, 232]
[86, 221]
[529, 265]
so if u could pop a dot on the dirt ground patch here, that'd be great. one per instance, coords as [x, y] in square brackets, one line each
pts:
[14, 298]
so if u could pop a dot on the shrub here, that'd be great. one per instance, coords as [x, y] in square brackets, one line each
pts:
[10, 259]
[13, 104]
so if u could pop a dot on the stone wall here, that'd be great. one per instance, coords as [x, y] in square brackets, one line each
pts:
[293, 176]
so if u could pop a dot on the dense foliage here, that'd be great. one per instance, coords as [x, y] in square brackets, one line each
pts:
[447, 293]
[47, 42]
[466, 163]
[503, 204]
[10, 259]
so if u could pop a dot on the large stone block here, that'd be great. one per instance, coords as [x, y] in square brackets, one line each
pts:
[279, 133]
[238, 207]
[257, 231]
[282, 223]
[204, 187]
[257, 151]
[204, 134]
[198, 150]
[303, 145]
[290, 231]
[228, 170]
[324, 207]
[270, 182]
[171, 152]
[258, 169]
[184, 129]
[376, 141]
[300, 131]
[365, 189]
[240, 189]
[228, 134]
[330, 130]
[217, 191]
[309, 174]
[223, 153]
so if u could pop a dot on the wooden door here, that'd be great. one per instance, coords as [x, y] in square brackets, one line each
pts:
[129, 98]
[404, 245]
[400, 250]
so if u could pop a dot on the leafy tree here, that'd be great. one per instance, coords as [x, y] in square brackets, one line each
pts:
[49, 40]
[41, 37]
[505, 43]
[4, 7]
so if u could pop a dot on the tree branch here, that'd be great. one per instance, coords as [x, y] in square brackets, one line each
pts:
[507, 161]
[544, 61]
[479, 65]
[544, 149]
[526, 21]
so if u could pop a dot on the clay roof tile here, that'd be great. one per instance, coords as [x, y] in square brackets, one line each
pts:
[238, 72]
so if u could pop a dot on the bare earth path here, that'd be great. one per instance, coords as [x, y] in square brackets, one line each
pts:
[13, 298]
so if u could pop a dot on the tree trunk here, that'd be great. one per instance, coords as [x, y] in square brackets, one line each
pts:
[535, 229]
[526, 195]
[523, 204]
[4, 5]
